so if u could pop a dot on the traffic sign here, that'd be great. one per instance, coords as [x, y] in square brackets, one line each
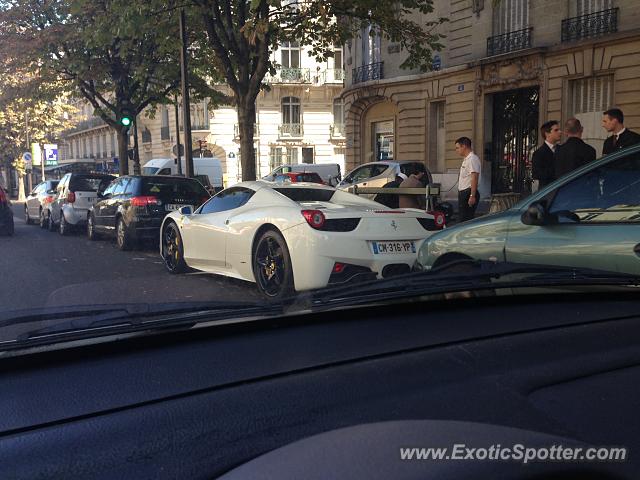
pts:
[175, 150]
[50, 154]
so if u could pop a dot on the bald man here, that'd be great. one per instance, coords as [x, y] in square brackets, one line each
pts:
[573, 153]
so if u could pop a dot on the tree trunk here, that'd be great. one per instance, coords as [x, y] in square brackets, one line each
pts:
[21, 196]
[123, 157]
[246, 122]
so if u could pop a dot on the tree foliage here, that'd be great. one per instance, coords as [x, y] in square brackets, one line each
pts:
[117, 54]
[243, 34]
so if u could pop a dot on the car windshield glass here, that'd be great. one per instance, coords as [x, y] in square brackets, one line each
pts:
[306, 194]
[149, 170]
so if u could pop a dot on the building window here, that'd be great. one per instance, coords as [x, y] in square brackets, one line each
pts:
[384, 140]
[292, 155]
[290, 55]
[338, 111]
[275, 157]
[510, 16]
[164, 129]
[437, 138]
[589, 98]
[585, 7]
[291, 111]
[370, 45]
[307, 155]
[104, 145]
[113, 144]
[199, 116]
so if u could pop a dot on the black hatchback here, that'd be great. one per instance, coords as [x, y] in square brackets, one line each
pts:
[132, 207]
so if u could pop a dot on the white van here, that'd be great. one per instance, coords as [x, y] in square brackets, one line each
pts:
[329, 172]
[202, 166]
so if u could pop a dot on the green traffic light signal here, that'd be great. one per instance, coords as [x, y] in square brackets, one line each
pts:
[126, 121]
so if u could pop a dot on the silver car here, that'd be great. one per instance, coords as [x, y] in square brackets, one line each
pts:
[75, 195]
[378, 174]
[37, 203]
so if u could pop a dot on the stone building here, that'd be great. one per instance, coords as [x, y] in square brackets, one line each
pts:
[504, 71]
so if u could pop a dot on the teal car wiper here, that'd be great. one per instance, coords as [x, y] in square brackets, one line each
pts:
[88, 322]
[477, 276]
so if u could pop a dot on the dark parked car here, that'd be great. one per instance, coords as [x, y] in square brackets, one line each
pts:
[6, 214]
[132, 207]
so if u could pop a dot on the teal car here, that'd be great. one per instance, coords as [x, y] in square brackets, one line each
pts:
[589, 218]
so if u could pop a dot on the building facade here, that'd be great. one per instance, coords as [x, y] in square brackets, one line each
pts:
[299, 118]
[504, 71]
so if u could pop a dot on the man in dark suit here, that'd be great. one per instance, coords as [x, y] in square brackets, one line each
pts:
[573, 153]
[613, 122]
[542, 160]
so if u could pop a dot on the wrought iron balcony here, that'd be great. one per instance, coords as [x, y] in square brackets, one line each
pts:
[509, 42]
[334, 75]
[290, 75]
[290, 130]
[337, 130]
[590, 26]
[373, 71]
[236, 131]
[164, 133]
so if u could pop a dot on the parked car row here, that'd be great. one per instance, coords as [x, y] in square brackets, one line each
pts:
[129, 208]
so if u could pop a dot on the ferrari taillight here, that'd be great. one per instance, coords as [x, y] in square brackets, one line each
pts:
[315, 218]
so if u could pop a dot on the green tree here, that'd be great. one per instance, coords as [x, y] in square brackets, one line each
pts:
[242, 34]
[119, 55]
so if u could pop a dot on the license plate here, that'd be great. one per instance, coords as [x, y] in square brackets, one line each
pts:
[172, 207]
[90, 199]
[398, 247]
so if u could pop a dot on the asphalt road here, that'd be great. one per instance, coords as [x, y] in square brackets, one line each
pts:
[43, 269]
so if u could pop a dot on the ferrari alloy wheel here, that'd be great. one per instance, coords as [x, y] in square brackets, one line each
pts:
[172, 250]
[272, 266]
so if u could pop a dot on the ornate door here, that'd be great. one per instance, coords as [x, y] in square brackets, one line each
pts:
[515, 137]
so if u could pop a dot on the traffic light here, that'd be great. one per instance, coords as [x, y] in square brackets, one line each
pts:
[126, 115]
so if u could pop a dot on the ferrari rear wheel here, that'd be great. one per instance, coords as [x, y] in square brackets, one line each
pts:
[272, 266]
[172, 249]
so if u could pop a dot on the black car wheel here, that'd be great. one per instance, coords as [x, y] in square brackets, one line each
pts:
[51, 225]
[43, 219]
[63, 227]
[272, 266]
[172, 249]
[123, 237]
[27, 219]
[91, 229]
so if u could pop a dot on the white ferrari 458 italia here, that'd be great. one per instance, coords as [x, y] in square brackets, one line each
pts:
[287, 237]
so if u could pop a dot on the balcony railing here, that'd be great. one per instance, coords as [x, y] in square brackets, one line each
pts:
[236, 131]
[337, 130]
[290, 130]
[197, 126]
[164, 133]
[334, 75]
[590, 26]
[509, 42]
[373, 71]
[290, 75]
[86, 125]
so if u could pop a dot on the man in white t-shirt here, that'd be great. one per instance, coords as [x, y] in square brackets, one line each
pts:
[468, 180]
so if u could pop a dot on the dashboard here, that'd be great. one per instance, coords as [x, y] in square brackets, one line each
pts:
[335, 394]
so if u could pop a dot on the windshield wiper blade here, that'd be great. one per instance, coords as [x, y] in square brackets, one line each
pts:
[482, 275]
[129, 318]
